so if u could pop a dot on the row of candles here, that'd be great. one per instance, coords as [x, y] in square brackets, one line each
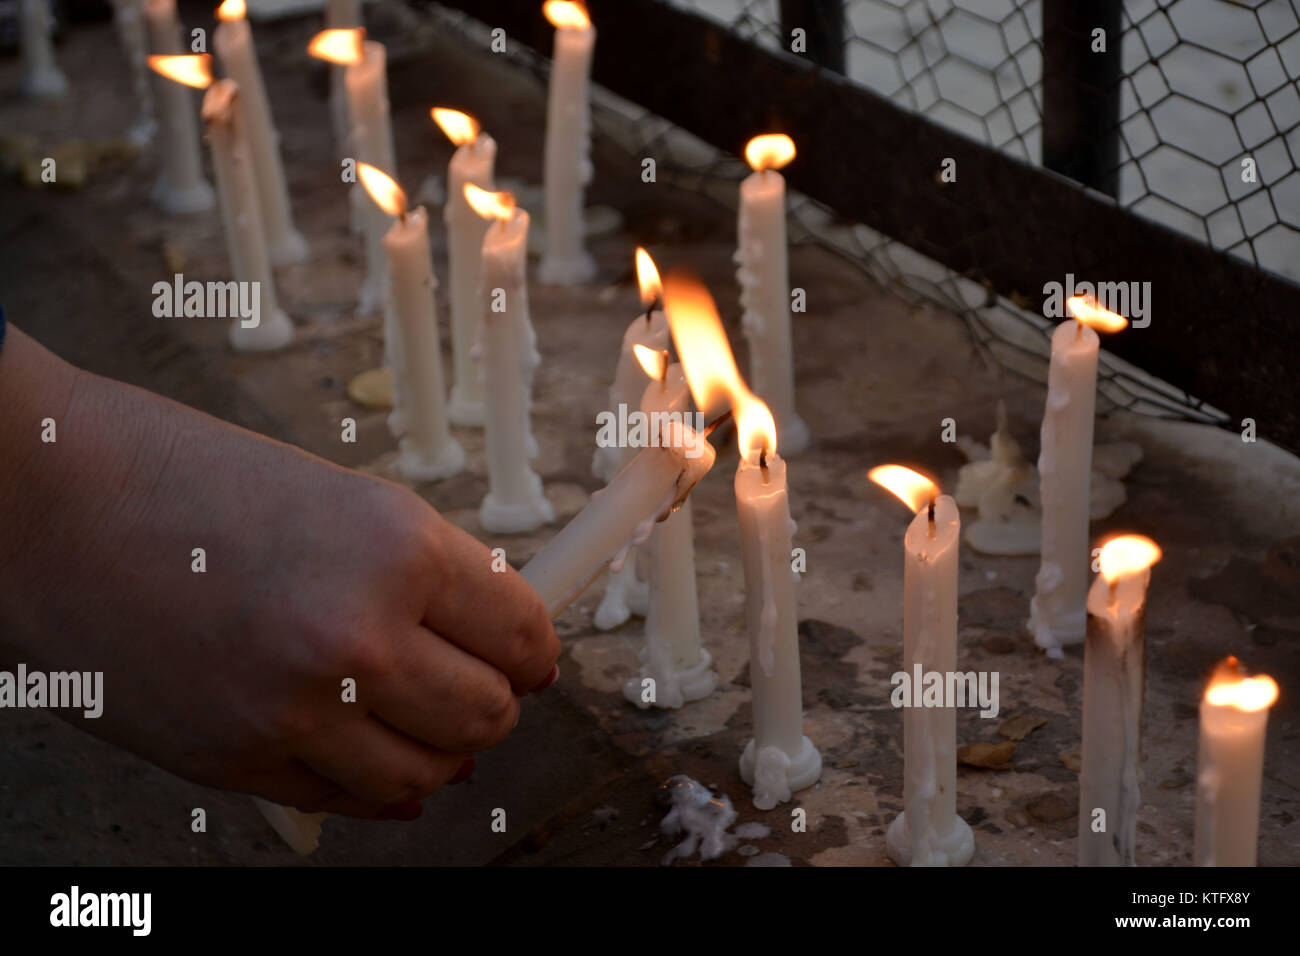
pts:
[645, 502]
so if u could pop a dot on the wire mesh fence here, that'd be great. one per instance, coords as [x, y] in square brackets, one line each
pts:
[1206, 125]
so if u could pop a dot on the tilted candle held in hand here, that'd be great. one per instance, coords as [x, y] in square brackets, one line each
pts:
[515, 501]
[428, 452]
[568, 145]
[269, 328]
[1057, 613]
[928, 832]
[471, 163]
[780, 759]
[625, 593]
[764, 275]
[1114, 665]
[675, 669]
[181, 187]
[371, 141]
[1230, 767]
[233, 42]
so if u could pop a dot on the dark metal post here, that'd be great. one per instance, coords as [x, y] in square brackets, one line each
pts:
[823, 23]
[1081, 91]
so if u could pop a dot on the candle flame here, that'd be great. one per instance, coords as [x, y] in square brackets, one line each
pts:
[647, 278]
[387, 195]
[654, 362]
[769, 151]
[1230, 687]
[911, 487]
[1127, 555]
[490, 205]
[231, 10]
[755, 426]
[1086, 310]
[566, 14]
[460, 128]
[342, 45]
[192, 69]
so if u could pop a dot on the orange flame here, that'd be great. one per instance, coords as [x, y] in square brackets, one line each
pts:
[769, 151]
[647, 278]
[755, 426]
[1230, 687]
[490, 205]
[566, 14]
[702, 345]
[231, 10]
[654, 362]
[1086, 310]
[1127, 555]
[387, 195]
[460, 128]
[911, 487]
[342, 46]
[192, 69]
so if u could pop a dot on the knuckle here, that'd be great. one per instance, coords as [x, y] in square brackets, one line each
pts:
[496, 709]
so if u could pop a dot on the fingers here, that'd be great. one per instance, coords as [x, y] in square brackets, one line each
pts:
[492, 614]
[376, 764]
[444, 696]
[294, 785]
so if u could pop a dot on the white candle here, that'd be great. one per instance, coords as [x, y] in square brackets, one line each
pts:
[672, 656]
[233, 42]
[471, 163]
[181, 187]
[515, 501]
[1114, 664]
[780, 760]
[428, 452]
[41, 74]
[128, 19]
[269, 328]
[625, 593]
[928, 832]
[622, 513]
[300, 830]
[1057, 615]
[340, 15]
[1230, 766]
[764, 276]
[568, 145]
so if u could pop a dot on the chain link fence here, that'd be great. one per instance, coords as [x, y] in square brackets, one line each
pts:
[1207, 124]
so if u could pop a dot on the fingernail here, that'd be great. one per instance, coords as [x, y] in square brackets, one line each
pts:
[465, 772]
[555, 675]
[406, 812]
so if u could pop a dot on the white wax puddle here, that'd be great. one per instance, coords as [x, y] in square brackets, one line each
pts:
[769, 859]
[753, 831]
[771, 778]
[749, 851]
[702, 816]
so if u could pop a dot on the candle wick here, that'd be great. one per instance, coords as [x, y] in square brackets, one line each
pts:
[716, 423]
[931, 511]
[762, 464]
[663, 369]
[1078, 330]
[654, 306]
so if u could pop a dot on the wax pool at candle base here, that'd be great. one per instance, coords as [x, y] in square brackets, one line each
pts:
[1113, 674]
[929, 832]
[1057, 612]
[780, 760]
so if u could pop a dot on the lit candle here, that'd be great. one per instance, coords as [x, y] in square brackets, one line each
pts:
[428, 452]
[340, 15]
[928, 832]
[181, 187]
[237, 187]
[1230, 767]
[625, 593]
[515, 501]
[1057, 615]
[621, 514]
[764, 275]
[471, 163]
[41, 76]
[371, 141]
[1114, 663]
[233, 42]
[779, 760]
[672, 657]
[568, 145]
